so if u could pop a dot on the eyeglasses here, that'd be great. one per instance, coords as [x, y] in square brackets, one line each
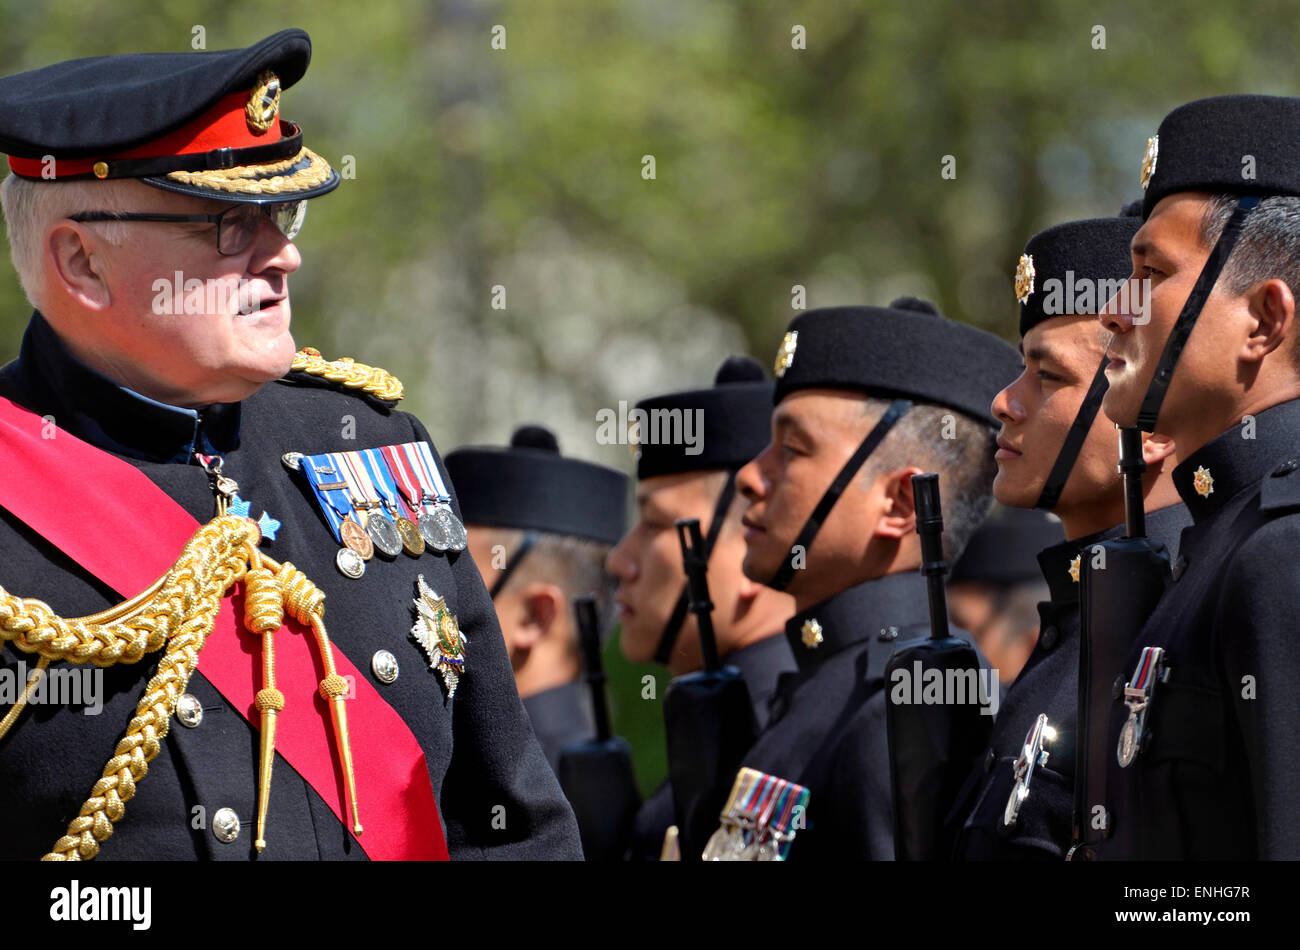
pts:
[237, 227]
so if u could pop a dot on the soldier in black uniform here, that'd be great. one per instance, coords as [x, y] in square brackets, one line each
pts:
[1056, 451]
[540, 527]
[1206, 757]
[132, 416]
[905, 391]
[681, 478]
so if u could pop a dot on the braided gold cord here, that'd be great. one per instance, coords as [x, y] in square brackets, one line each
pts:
[246, 179]
[369, 379]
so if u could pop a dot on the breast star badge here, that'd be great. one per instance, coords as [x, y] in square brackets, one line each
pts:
[1149, 160]
[1074, 567]
[438, 632]
[1025, 278]
[811, 634]
[1203, 482]
[785, 353]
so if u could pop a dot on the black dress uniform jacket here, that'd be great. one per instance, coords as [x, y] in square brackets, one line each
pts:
[480, 749]
[1218, 776]
[762, 664]
[561, 716]
[1048, 684]
[827, 730]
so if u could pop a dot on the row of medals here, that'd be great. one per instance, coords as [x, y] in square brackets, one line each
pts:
[439, 529]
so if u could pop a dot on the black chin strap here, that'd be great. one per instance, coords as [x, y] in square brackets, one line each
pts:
[526, 545]
[1214, 264]
[1074, 440]
[814, 523]
[668, 639]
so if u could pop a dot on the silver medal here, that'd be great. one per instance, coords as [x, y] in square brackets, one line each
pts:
[384, 533]
[433, 531]
[457, 537]
[1127, 749]
[349, 563]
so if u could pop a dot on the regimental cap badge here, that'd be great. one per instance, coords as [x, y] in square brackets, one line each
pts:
[1025, 278]
[1149, 160]
[785, 353]
[811, 634]
[263, 102]
[1203, 482]
[1074, 567]
[438, 632]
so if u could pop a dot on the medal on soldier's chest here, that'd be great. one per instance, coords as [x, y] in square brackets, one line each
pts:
[1032, 755]
[438, 632]
[1139, 692]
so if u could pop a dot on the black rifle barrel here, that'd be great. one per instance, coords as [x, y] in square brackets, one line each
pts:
[1131, 467]
[697, 588]
[584, 606]
[929, 525]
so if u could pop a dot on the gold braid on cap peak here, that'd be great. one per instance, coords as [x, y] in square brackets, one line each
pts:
[368, 379]
[175, 614]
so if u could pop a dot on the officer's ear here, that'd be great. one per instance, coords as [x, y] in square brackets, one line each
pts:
[75, 265]
[898, 509]
[1158, 451]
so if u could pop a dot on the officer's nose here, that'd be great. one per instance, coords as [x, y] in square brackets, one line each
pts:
[1118, 314]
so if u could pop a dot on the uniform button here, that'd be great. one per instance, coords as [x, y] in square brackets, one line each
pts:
[189, 710]
[888, 633]
[990, 759]
[1117, 687]
[1047, 639]
[384, 666]
[225, 825]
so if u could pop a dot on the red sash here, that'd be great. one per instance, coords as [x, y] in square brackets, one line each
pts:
[38, 478]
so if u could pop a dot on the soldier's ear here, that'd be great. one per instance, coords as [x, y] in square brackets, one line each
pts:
[898, 512]
[1272, 312]
[1159, 450]
[543, 608]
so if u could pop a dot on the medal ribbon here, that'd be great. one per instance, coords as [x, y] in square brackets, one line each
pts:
[398, 806]
[358, 483]
[1146, 666]
[429, 469]
[326, 497]
[403, 471]
[383, 481]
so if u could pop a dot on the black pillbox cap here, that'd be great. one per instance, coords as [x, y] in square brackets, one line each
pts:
[906, 350]
[1241, 144]
[1065, 256]
[736, 413]
[529, 486]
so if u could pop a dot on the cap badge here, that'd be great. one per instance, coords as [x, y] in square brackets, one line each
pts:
[1149, 160]
[263, 102]
[1025, 278]
[1203, 482]
[1074, 567]
[811, 634]
[785, 353]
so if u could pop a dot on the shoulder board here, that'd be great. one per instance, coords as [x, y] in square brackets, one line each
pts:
[349, 373]
[1280, 491]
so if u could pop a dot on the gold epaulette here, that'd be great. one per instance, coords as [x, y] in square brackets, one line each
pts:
[368, 379]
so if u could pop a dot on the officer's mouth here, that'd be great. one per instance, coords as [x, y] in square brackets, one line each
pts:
[623, 608]
[1005, 451]
[752, 528]
[1114, 362]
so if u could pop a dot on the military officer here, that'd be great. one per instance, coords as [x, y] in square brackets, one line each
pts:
[390, 727]
[1056, 451]
[1206, 757]
[866, 397]
[680, 478]
[540, 526]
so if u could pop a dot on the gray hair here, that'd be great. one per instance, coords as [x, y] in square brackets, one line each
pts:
[964, 463]
[1269, 246]
[576, 565]
[30, 207]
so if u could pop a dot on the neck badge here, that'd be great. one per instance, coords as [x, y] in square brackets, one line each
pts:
[1203, 482]
[437, 630]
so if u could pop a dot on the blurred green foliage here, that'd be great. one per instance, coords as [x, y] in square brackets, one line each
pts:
[774, 166]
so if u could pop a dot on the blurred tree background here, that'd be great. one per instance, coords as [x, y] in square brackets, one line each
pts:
[775, 166]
